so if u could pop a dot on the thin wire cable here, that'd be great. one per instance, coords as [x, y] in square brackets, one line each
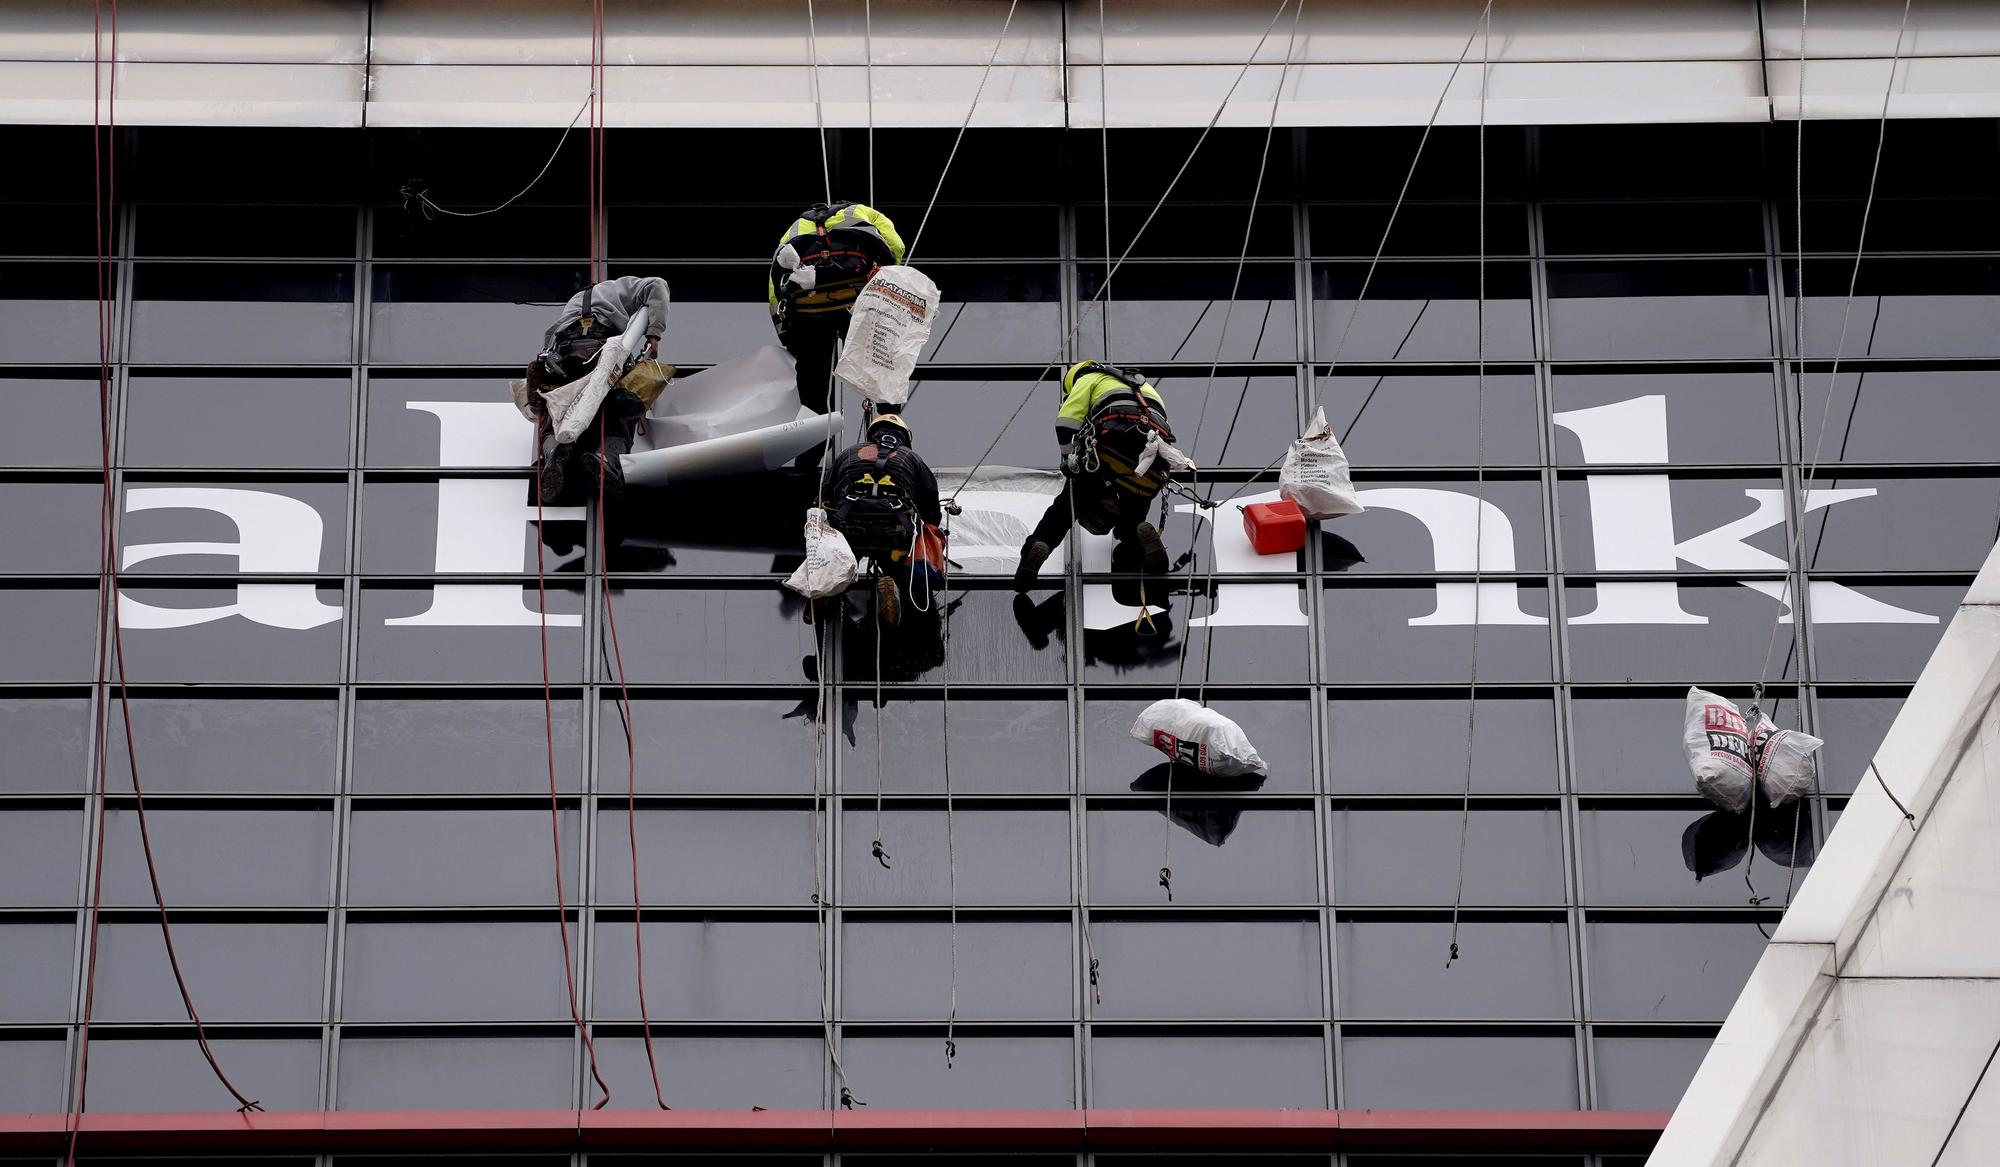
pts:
[104, 181]
[950, 821]
[424, 197]
[1479, 503]
[868, 65]
[910, 253]
[819, 110]
[875, 847]
[1104, 162]
[1166, 194]
[823, 642]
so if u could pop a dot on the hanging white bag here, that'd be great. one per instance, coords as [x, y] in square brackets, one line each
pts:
[891, 324]
[1786, 768]
[830, 564]
[1717, 741]
[1194, 735]
[1316, 475]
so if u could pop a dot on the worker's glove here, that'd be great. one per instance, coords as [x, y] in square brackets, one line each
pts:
[653, 347]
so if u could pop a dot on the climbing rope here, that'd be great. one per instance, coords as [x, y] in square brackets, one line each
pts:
[950, 822]
[868, 69]
[1104, 161]
[910, 253]
[109, 636]
[819, 109]
[881, 717]
[822, 679]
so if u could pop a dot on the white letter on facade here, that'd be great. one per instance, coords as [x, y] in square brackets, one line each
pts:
[277, 535]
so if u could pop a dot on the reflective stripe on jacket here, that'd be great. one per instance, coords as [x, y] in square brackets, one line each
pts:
[1086, 390]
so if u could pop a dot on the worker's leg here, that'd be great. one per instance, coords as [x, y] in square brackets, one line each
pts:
[1044, 539]
[1134, 528]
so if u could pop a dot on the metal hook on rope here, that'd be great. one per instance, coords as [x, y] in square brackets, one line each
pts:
[1096, 989]
[1167, 881]
[881, 856]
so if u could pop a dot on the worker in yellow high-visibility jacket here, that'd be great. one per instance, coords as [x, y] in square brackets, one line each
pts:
[1107, 417]
[824, 259]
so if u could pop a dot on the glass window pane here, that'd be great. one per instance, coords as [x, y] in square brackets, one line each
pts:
[31, 1075]
[997, 1071]
[1395, 970]
[1243, 653]
[49, 635]
[699, 855]
[1903, 524]
[1248, 419]
[998, 745]
[1355, 230]
[237, 421]
[900, 970]
[455, 1073]
[1412, 420]
[710, 970]
[454, 970]
[35, 961]
[399, 528]
[470, 315]
[1673, 857]
[994, 314]
[1002, 856]
[48, 312]
[1203, 230]
[1279, 725]
[1645, 1072]
[268, 314]
[1416, 745]
[52, 421]
[48, 744]
[1639, 310]
[988, 645]
[218, 744]
[1451, 1072]
[1669, 970]
[708, 635]
[715, 1073]
[264, 230]
[165, 639]
[1222, 851]
[1179, 312]
[1629, 745]
[1420, 312]
[1395, 534]
[49, 527]
[1901, 307]
[1206, 1072]
[44, 851]
[1394, 633]
[1688, 405]
[979, 405]
[422, 745]
[1884, 651]
[1853, 728]
[481, 632]
[732, 745]
[1409, 856]
[169, 1074]
[1726, 642]
[221, 858]
[261, 971]
[1903, 415]
[417, 422]
[1633, 227]
[525, 232]
[1207, 969]
[400, 858]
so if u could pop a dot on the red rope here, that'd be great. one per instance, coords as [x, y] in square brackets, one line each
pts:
[104, 180]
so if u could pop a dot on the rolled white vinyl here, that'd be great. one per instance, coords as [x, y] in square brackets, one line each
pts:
[750, 452]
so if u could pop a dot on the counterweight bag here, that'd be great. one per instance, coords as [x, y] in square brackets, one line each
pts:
[1195, 735]
[1786, 768]
[1316, 475]
[830, 564]
[891, 324]
[1717, 741]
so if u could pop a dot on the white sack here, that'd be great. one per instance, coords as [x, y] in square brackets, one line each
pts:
[891, 324]
[519, 389]
[1316, 475]
[1785, 764]
[829, 567]
[1194, 735]
[1157, 448]
[1717, 741]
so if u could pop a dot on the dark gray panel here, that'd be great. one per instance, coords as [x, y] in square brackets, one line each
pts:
[399, 528]
[1011, 970]
[1148, 326]
[1248, 419]
[1695, 402]
[230, 647]
[419, 333]
[1433, 1072]
[989, 333]
[44, 850]
[169, 1074]
[711, 636]
[1254, 1070]
[990, 1072]
[1208, 969]
[726, 745]
[1395, 970]
[1885, 651]
[710, 970]
[1628, 745]
[955, 419]
[52, 421]
[1669, 970]
[215, 857]
[1222, 851]
[31, 1075]
[1645, 1073]
[463, 746]
[1729, 646]
[707, 856]
[448, 856]
[998, 746]
[467, 653]
[49, 635]
[451, 970]
[398, 435]
[445, 1073]
[49, 330]
[1243, 653]
[1370, 637]
[1416, 745]
[235, 971]
[1853, 728]
[715, 1073]
[1002, 857]
[987, 644]
[237, 421]
[48, 744]
[1280, 728]
[235, 744]
[1637, 857]
[35, 960]
[1942, 415]
[50, 527]
[1412, 420]
[1410, 856]
[242, 332]
[1658, 327]
[1910, 524]
[1915, 323]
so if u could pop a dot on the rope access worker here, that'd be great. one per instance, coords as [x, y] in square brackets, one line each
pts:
[823, 261]
[883, 497]
[569, 350]
[1109, 417]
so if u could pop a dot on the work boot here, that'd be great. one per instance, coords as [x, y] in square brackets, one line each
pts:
[606, 467]
[888, 600]
[550, 471]
[1033, 556]
[1152, 549]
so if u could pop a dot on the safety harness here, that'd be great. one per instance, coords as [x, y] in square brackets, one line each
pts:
[1112, 443]
[871, 502]
[840, 267]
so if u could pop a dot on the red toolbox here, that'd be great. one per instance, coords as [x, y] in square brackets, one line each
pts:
[1275, 527]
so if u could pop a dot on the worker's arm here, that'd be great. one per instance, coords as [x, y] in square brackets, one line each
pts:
[572, 310]
[883, 225]
[1075, 408]
[648, 292]
[928, 505]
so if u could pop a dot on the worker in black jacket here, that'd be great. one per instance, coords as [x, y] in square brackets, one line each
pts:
[884, 498]
[570, 348]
